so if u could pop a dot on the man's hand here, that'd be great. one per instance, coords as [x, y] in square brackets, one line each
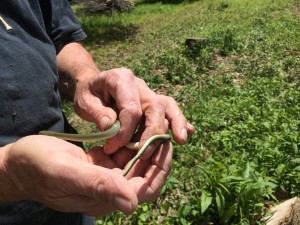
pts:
[98, 99]
[101, 97]
[61, 176]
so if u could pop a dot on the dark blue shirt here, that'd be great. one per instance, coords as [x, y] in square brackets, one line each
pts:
[32, 32]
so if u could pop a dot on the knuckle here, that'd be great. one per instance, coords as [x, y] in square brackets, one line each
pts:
[127, 71]
[114, 79]
[98, 188]
[170, 100]
[134, 110]
[121, 76]
[156, 106]
[142, 82]
[124, 72]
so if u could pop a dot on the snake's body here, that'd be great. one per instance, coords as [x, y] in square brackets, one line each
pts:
[108, 134]
[86, 137]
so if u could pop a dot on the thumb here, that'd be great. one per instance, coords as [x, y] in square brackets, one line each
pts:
[102, 116]
[107, 187]
[93, 110]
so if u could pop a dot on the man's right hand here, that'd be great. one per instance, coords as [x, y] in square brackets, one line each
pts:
[59, 175]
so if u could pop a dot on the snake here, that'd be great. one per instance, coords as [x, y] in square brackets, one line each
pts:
[115, 128]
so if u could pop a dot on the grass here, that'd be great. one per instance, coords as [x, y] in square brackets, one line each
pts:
[239, 88]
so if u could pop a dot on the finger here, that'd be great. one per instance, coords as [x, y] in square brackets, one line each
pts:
[150, 131]
[138, 169]
[119, 159]
[154, 117]
[97, 157]
[123, 156]
[191, 129]
[149, 186]
[121, 86]
[180, 128]
[94, 109]
[129, 119]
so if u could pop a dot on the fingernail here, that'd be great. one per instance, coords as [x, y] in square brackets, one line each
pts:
[183, 134]
[191, 127]
[104, 121]
[122, 204]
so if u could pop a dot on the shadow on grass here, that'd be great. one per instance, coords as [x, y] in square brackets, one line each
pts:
[104, 34]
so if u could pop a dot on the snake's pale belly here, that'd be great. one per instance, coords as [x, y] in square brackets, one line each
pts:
[108, 134]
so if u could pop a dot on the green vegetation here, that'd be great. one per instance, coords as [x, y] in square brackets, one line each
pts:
[239, 86]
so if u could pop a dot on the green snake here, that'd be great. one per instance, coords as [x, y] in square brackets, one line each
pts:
[108, 134]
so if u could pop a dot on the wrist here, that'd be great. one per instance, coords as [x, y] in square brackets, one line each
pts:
[74, 65]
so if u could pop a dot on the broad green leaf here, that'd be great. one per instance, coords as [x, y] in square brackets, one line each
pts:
[206, 200]
[143, 217]
[183, 221]
[195, 212]
[145, 207]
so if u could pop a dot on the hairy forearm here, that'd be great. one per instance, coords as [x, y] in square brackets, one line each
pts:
[74, 65]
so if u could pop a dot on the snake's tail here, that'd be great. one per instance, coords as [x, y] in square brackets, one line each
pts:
[163, 137]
